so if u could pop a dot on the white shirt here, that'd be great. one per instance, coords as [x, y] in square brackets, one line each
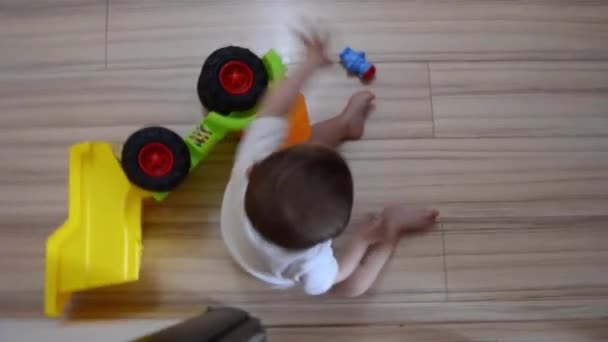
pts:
[314, 269]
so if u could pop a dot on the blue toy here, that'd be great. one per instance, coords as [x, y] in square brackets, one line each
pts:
[355, 62]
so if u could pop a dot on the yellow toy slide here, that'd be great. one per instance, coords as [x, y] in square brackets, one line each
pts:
[100, 243]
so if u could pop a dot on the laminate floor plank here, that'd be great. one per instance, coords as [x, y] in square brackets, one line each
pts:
[514, 99]
[554, 260]
[161, 33]
[44, 35]
[558, 331]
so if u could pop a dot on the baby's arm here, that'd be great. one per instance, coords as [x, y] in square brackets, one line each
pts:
[335, 271]
[393, 223]
[360, 263]
[354, 251]
[279, 100]
[367, 271]
[269, 131]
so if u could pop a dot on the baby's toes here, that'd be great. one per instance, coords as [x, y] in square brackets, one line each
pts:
[367, 96]
[431, 215]
[428, 218]
[363, 97]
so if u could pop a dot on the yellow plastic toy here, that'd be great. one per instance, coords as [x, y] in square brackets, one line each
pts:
[105, 210]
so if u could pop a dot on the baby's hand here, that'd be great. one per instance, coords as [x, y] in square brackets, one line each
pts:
[316, 42]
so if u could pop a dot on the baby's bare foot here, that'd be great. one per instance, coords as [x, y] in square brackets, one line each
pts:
[401, 219]
[355, 113]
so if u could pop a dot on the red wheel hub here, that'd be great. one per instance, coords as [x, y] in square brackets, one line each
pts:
[236, 77]
[369, 74]
[155, 159]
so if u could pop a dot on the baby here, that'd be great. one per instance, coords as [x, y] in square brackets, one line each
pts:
[283, 207]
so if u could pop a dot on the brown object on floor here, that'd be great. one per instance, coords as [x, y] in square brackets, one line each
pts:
[215, 325]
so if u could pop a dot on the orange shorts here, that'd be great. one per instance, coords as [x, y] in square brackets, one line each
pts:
[299, 123]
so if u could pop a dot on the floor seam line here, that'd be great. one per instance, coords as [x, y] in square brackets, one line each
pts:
[428, 71]
[445, 264]
[106, 34]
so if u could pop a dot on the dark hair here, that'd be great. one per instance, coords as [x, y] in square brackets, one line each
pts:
[300, 196]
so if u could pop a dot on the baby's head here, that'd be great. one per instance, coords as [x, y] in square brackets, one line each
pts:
[300, 196]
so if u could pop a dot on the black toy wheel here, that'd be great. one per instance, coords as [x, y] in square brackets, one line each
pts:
[155, 159]
[232, 79]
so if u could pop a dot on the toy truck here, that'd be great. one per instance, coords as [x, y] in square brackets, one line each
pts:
[100, 244]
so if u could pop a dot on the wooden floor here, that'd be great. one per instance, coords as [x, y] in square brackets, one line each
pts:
[495, 112]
